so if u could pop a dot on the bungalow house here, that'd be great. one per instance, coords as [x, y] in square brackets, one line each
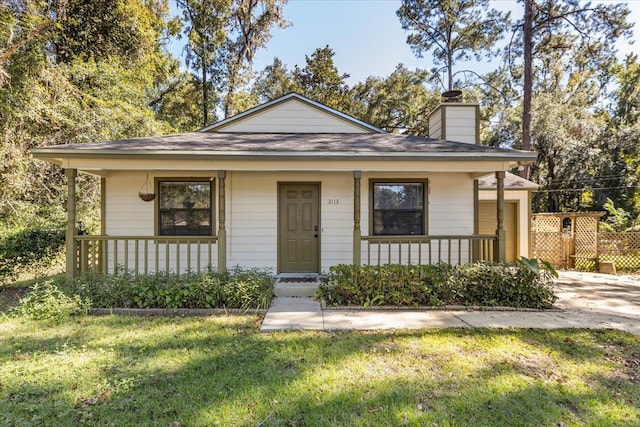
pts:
[291, 185]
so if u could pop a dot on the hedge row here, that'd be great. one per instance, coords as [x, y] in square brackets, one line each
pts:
[438, 285]
[238, 288]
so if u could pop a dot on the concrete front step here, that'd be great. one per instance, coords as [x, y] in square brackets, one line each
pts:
[296, 289]
[296, 284]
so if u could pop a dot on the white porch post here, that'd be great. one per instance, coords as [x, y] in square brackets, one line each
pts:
[357, 234]
[500, 253]
[222, 231]
[70, 238]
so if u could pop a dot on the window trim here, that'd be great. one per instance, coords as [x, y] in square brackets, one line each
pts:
[425, 204]
[213, 204]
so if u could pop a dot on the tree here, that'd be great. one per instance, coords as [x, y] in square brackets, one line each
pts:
[551, 27]
[223, 37]
[565, 130]
[274, 81]
[250, 30]
[321, 81]
[73, 84]
[205, 28]
[620, 140]
[98, 30]
[397, 103]
[177, 101]
[454, 30]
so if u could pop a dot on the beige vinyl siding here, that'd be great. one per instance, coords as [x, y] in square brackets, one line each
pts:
[292, 116]
[435, 125]
[251, 211]
[128, 215]
[461, 123]
[450, 204]
[522, 215]
[252, 221]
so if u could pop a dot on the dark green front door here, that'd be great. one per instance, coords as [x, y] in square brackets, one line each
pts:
[299, 225]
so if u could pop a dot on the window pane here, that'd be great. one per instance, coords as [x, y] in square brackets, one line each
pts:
[185, 222]
[398, 208]
[185, 208]
[398, 195]
[185, 195]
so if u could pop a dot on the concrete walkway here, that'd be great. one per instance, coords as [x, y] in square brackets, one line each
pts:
[585, 300]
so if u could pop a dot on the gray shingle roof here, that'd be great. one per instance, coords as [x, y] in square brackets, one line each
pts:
[511, 182]
[292, 144]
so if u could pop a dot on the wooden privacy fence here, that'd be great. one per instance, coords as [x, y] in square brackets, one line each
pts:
[108, 254]
[428, 249]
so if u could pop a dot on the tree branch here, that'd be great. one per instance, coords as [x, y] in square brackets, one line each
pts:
[5, 55]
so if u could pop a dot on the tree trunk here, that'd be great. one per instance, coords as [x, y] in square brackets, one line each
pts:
[205, 93]
[228, 99]
[552, 196]
[527, 30]
[450, 69]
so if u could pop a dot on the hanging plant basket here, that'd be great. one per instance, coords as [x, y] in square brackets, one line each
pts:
[147, 197]
[146, 191]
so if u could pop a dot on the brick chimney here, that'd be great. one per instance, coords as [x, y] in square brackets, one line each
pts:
[455, 120]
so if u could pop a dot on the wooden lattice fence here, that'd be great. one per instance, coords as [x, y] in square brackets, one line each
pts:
[573, 240]
[621, 248]
[566, 240]
[548, 241]
[585, 243]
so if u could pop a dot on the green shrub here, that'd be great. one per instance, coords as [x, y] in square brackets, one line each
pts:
[29, 251]
[437, 285]
[48, 302]
[238, 288]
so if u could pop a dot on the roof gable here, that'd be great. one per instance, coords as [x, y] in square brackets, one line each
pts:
[292, 113]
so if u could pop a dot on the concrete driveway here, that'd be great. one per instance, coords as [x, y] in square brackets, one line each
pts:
[599, 294]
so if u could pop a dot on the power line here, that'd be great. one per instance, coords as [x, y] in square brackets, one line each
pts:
[604, 178]
[575, 190]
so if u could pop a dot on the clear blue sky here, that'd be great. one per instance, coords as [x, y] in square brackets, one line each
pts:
[365, 34]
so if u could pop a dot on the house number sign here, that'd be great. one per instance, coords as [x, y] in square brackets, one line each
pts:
[334, 201]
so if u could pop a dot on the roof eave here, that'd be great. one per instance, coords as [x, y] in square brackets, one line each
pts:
[52, 155]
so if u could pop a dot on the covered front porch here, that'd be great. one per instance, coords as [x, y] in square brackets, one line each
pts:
[340, 209]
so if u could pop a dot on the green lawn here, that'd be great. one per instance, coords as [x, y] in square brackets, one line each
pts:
[222, 371]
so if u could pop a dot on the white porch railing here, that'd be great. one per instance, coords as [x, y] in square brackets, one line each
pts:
[450, 249]
[138, 254]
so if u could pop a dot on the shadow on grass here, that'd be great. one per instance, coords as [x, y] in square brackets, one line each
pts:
[221, 370]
